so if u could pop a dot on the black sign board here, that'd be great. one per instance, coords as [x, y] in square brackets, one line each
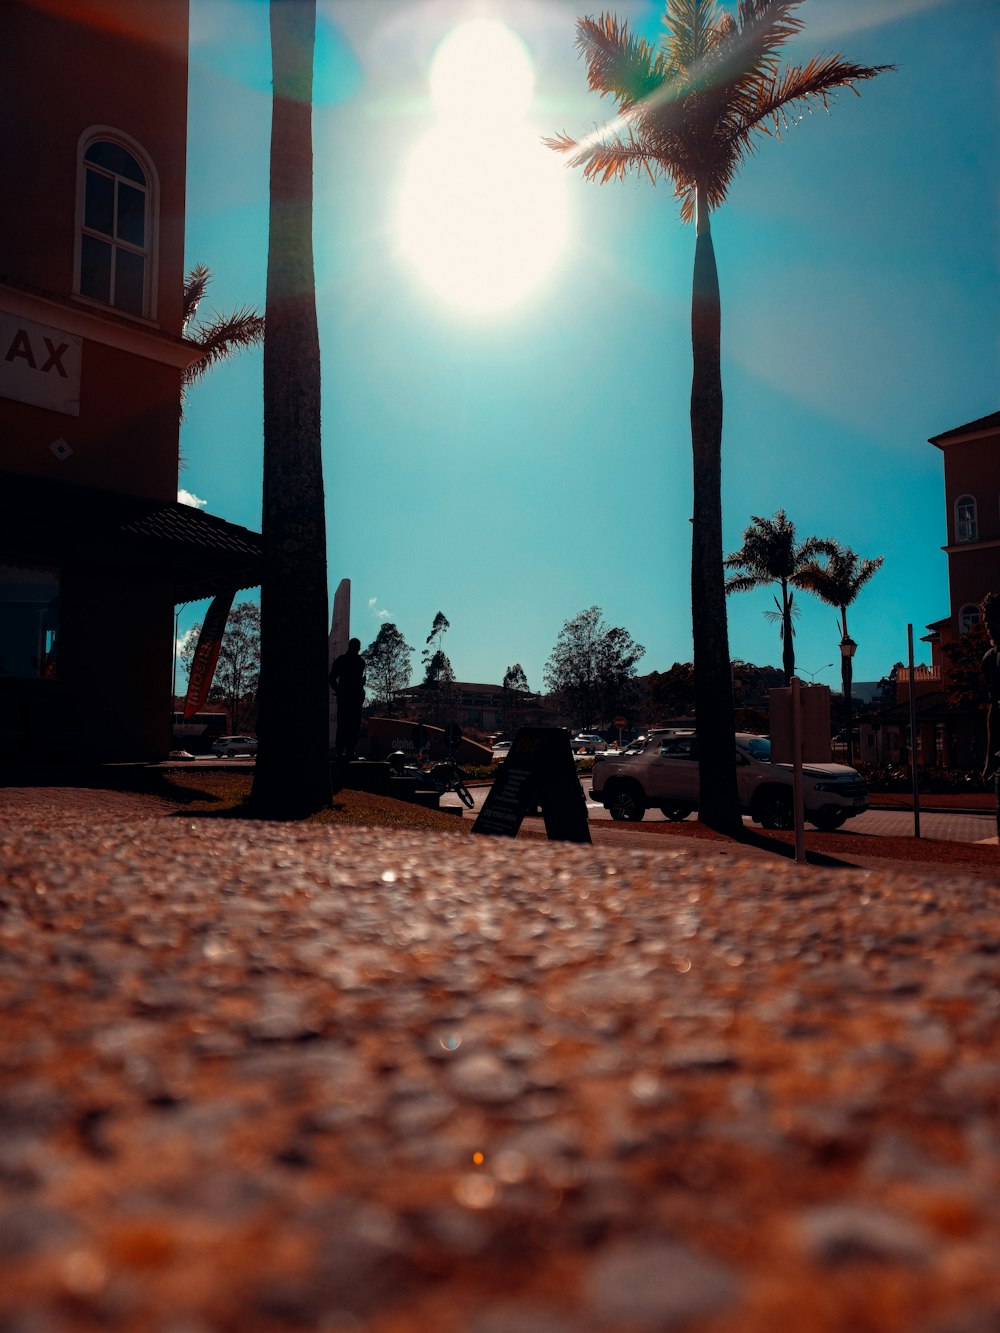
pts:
[539, 771]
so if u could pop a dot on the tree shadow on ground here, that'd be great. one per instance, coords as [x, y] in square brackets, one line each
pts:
[777, 847]
[128, 779]
[228, 809]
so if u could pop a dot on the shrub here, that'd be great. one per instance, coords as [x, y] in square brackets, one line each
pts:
[897, 777]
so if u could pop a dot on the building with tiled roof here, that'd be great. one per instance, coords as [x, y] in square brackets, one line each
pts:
[95, 551]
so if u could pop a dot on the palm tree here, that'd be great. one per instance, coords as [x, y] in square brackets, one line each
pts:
[770, 554]
[838, 583]
[222, 336]
[689, 111]
[292, 777]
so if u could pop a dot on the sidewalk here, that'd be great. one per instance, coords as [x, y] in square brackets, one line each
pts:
[257, 1078]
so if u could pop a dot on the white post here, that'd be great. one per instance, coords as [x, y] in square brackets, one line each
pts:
[340, 632]
[914, 738]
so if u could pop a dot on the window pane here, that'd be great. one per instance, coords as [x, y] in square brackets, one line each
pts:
[965, 519]
[99, 208]
[29, 621]
[130, 272]
[131, 214]
[116, 159]
[95, 269]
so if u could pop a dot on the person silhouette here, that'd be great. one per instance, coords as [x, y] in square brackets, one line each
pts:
[347, 680]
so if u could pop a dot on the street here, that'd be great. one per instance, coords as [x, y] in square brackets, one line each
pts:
[949, 826]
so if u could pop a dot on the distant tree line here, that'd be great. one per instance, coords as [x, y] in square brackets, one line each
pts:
[237, 672]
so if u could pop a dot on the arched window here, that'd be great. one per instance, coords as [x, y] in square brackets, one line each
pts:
[966, 526]
[117, 224]
[968, 618]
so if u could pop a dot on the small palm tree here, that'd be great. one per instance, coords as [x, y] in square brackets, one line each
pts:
[222, 336]
[838, 583]
[689, 111]
[770, 554]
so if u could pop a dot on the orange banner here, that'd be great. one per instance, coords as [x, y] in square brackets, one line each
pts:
[206, 655]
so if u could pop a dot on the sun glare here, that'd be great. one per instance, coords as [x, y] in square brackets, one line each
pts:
[481, 71]
[482, 209]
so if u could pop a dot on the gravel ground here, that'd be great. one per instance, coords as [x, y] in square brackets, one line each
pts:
[258, 1077]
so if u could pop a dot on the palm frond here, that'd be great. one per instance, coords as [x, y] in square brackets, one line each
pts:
[763, 28]
[607, 158]
[839, 581]
[777, 617]
[195, 285]
[619, 64]
[813, 82]
[744, 582]
[692, 30]
[693, 107]
[224, 336]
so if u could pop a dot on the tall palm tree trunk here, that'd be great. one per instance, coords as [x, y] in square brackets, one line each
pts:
[846, 684]
[713, 686]
[787, 646]
[292, 777]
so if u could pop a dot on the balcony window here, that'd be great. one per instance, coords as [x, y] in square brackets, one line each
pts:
[966, 525]
[115, 254]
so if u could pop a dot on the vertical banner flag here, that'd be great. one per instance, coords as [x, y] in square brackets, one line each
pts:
[207, 653]
[339, 634]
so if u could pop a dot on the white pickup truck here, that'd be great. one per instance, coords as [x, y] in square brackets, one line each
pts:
[660, 770]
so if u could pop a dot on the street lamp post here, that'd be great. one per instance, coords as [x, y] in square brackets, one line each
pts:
[813, 674]
[847, 650]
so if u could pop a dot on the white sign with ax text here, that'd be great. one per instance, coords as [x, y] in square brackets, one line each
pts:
[39, 365]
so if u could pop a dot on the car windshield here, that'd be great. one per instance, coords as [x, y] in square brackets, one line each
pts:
[757, 747]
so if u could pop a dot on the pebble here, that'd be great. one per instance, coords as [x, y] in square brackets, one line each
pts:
[844, 1233]
[661, 1285]
[267, 1076]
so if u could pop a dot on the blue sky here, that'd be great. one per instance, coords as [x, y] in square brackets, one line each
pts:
[513, 467]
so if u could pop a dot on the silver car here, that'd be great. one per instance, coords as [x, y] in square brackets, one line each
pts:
[227, 746]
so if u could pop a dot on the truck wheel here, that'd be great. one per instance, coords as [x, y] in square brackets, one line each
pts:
[772, 809]
[828, 819]
[627, 802]
[676, 810]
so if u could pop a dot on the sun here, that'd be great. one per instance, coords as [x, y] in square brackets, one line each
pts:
[482, 208]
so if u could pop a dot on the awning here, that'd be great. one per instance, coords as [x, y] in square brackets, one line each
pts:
[200, 555]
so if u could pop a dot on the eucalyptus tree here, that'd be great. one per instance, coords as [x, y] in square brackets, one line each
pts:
[771, 554]
[515, 689]
[234, 681]
[388, 660]
[688, 110]
[292, 776]
[591, 665]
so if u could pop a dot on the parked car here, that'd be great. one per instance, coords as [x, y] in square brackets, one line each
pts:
[588, 742]
[226, 746]
[661, 769]
[501, 749]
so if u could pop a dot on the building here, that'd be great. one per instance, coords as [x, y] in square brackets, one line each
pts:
[471, 704]
[971, 455]
[95, 551]
[947, 736]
